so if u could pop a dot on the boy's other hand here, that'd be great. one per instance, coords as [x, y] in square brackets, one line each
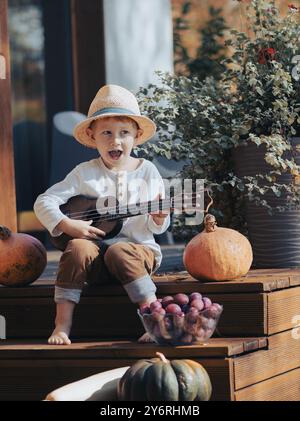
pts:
[158, 216]
[80, 229]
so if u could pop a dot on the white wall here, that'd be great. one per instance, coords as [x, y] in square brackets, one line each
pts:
[138, 40]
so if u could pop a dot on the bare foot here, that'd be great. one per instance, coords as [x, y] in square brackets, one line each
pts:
[59, 337]
[145, 338]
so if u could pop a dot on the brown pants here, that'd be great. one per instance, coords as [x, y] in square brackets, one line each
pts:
[129, 263]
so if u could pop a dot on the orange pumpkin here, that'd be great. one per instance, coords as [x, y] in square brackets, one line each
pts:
[22, 258]
[218, 254]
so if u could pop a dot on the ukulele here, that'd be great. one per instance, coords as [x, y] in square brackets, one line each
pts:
[110, 219]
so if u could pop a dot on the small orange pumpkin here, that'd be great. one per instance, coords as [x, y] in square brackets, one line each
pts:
[218, 254]
[22, 258]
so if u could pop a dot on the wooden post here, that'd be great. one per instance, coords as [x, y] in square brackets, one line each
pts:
[88, 51]
[8, 214]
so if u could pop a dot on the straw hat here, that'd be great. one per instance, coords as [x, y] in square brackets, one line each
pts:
[110, 101]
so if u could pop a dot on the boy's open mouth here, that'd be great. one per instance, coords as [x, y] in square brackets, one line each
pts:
[115, 154]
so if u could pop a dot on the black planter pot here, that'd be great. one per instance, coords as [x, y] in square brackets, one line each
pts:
[275, 239]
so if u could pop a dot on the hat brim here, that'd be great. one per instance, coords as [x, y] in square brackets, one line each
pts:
[144, 123]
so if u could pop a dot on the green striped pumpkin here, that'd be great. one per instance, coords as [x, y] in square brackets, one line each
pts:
[159, 379]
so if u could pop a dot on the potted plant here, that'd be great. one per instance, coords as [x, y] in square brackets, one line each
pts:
[240, 133]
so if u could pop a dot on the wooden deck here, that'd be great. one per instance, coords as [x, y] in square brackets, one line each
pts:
[254, 355]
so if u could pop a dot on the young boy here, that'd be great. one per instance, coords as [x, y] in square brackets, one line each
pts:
[114, 127]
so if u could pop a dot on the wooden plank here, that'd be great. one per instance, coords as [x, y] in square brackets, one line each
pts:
[220, 372]
[165, 287]
[169, 283]
[33, 380]
[33, 317]
[215, 347]
[243, 314]
[94, 317]
[282, 354]
[282, 307]
[285, 387]
[8, 213]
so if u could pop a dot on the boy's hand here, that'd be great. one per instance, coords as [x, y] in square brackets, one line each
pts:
[158, 216]
[80, 229]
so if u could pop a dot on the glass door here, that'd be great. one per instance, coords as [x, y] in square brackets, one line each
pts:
[25, 23]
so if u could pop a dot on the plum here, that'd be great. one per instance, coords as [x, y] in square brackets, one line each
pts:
[195, 296]
[192, 328]
[185, 308]
[207, 302]
[167, 300]
[145, 309]
[173, 309]
[218, 306]
[204, 324]
[192, 314]
[178, 321]
[213, 311]
[158, 314]
[156, 331]
[168, 323]
[198, 304]
[155, 305]
[201, 334]
[181, 299]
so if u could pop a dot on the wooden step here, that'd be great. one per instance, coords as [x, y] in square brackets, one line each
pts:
[262, 303]
[29, 370]
[261, 368]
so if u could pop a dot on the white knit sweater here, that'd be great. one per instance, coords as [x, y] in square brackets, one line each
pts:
[94, 179]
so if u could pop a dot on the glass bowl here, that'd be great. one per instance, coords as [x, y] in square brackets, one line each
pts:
[183, 329]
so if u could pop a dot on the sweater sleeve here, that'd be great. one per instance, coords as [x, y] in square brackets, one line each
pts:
[157, 187]
[46, 206]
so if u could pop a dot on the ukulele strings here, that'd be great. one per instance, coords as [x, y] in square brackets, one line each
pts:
[165, 204]
[129, 207]
[144, 205]
[137, 211]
